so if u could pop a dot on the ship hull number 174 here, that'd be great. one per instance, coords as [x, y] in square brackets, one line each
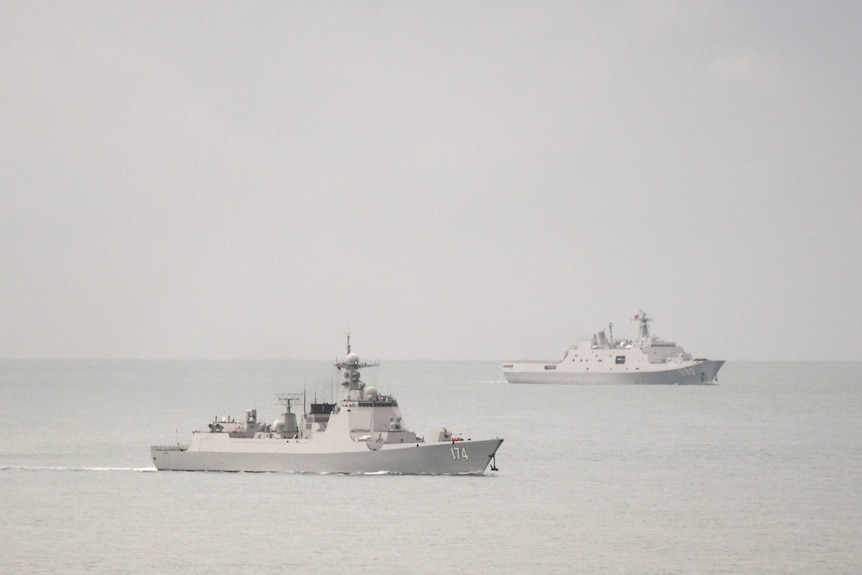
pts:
[459, 453]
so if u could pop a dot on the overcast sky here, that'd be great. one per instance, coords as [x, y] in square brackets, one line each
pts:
[448, 180]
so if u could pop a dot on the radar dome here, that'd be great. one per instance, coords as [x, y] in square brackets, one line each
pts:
[352, 359]
[371, 393]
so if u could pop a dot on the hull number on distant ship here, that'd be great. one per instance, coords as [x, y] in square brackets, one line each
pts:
[459, 453]
[688, 371]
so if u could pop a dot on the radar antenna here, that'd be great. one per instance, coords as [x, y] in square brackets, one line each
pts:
[288, 398]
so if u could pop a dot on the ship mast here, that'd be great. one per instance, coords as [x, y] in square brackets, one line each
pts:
[350, 366]
[643, 330]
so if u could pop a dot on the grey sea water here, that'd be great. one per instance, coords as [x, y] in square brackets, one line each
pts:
[761, 473]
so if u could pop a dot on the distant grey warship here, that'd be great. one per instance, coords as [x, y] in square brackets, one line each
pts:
[602, 359]
[362, 433]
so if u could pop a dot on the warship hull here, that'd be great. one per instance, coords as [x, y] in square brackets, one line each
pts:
[690, 373]
[443, 458]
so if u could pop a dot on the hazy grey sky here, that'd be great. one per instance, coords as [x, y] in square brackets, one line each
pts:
[450, 180]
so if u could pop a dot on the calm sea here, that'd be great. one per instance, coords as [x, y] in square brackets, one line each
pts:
[761, 473]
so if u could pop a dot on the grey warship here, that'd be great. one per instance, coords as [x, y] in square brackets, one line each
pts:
[363, 433]
[647, 360]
